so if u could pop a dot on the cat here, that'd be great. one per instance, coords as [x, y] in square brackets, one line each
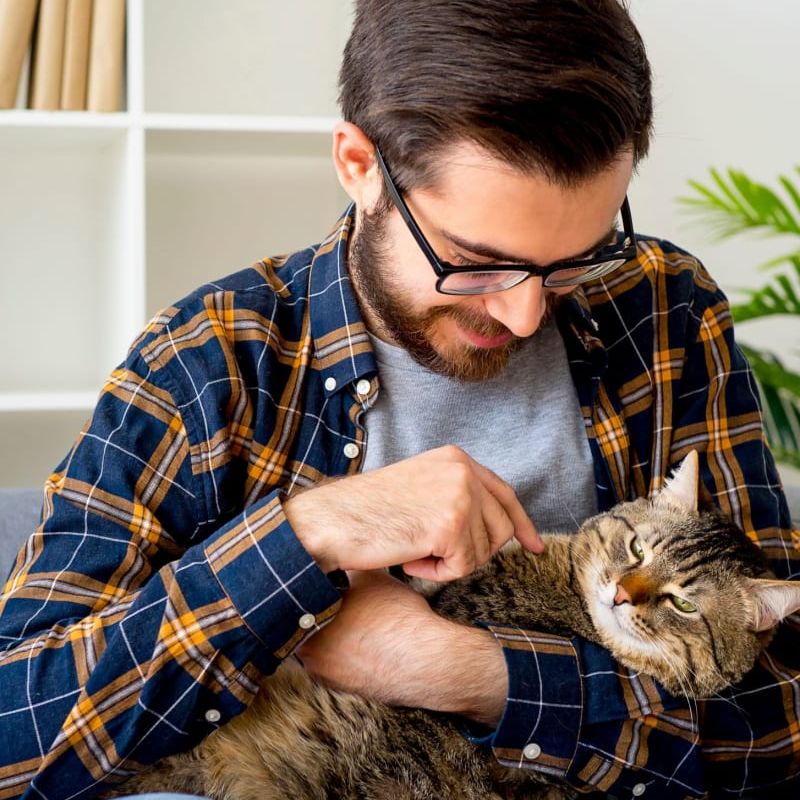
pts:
[675, 592]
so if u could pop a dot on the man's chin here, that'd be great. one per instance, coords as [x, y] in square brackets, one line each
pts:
[471, 364]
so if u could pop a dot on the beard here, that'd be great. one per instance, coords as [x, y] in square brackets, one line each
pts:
[375, 280]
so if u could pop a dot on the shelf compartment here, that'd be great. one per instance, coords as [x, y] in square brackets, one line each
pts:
[200, 57]
[217, 201]
[65, 258]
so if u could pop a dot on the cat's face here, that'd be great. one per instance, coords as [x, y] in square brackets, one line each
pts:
[677, 593]
[658, 600]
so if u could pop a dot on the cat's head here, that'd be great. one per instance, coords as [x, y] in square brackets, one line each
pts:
[677, 592]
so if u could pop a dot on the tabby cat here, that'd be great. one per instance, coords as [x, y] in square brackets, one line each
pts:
[676, 593]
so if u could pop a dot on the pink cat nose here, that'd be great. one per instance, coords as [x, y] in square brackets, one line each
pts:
[621, 596]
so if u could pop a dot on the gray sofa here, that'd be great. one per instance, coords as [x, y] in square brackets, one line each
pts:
[19, 516]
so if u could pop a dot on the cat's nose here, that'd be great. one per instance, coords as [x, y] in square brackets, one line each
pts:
[621, 596]
[635, 588]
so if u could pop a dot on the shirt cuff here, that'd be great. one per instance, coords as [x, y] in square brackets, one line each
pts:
[541, 722]
[277, 588]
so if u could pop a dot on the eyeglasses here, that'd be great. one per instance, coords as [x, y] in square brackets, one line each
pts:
[461, 280]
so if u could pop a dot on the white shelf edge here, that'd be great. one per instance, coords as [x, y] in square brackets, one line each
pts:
[238, 122]
[47, 401]
[22, 118]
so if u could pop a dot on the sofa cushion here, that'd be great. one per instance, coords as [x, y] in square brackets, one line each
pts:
[19, 516]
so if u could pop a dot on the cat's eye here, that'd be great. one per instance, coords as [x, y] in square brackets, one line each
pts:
[637, 549]
[683, 605]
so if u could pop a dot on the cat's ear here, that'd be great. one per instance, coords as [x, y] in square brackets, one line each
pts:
[772, 601]
[680, 491]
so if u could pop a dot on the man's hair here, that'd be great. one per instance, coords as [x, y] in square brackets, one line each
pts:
[558, 87]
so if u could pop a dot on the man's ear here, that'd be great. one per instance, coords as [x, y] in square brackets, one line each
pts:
[356, 166]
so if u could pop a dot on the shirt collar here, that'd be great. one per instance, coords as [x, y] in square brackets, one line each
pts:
[342, 350]
[580, 320]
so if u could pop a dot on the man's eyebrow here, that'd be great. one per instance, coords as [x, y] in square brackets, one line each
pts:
[487, 251]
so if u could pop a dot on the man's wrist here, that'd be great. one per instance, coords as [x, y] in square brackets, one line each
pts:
[310, 531]
[479, 672]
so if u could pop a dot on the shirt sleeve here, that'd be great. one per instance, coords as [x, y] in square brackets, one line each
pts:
[133, 622]
[576, 714]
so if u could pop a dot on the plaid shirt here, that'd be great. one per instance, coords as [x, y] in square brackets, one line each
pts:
[165, 581]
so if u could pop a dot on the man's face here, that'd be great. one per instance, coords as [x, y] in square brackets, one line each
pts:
[479, 205]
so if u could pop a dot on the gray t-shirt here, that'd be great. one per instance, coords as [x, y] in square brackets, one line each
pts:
[525, 425]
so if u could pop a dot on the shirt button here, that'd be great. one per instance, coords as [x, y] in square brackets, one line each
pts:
[351, 450]
[330, 384]
[639, 790]
[362, 387]
[307, 621]
[532, 751]
[212, 715]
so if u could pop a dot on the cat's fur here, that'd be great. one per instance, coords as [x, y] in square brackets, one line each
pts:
[301, 740]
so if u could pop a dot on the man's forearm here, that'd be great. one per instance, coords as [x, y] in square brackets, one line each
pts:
[387, 644]
[473, 680]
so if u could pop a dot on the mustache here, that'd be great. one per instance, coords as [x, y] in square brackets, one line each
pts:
[484, 325]
[469, 318]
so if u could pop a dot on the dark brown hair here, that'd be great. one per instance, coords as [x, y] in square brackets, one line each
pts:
[559, 87]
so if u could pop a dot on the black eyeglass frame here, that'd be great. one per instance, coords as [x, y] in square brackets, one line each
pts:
[444, 269]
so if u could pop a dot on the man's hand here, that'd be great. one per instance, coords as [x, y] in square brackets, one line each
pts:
[440, 514]
[387, 644]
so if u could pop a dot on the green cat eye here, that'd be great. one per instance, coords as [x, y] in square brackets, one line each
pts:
[683, 605]
[637, 549]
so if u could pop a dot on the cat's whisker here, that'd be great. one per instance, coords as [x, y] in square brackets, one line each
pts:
[571, 515]
[679, 670]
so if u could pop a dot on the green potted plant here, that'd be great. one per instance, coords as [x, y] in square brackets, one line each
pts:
[733, 204]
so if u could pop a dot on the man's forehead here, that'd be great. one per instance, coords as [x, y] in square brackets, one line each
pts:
[468, 161]
[487, 207]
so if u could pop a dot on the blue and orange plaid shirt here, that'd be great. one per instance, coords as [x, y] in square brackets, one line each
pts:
[165, 582]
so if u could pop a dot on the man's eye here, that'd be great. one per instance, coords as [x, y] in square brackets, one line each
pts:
[463, 261]
[480, 277]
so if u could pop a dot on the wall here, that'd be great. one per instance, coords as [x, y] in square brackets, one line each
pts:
[727, 94]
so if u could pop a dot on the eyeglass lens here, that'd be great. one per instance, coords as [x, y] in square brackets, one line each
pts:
[495, 281]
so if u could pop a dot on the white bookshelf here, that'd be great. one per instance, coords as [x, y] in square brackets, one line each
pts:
[221, 157]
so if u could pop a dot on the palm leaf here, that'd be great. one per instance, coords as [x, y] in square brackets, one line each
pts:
[781, 296]
[729, 205]
[780, 395]
[735, 203]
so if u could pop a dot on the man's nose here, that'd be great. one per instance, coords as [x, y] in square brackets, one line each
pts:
[520, 308]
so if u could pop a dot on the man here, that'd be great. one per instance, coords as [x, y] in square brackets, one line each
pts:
[477, 343]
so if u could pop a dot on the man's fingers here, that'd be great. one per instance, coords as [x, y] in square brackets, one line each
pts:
[480, 528]
[432, 569]
[524, 529]
[497, 525]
